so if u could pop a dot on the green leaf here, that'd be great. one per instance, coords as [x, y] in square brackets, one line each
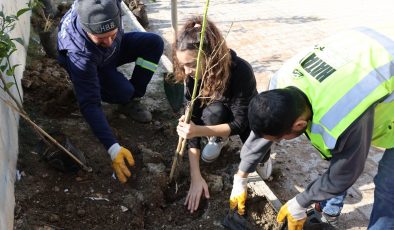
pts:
[11, 71]
[3, 67]
[22, 11]
[8, 85]
[1, 14]
[5, 47]
[19, 40]
[10, 19]
[4, 36]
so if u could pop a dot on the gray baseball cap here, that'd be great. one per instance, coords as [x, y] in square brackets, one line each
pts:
[98, 16]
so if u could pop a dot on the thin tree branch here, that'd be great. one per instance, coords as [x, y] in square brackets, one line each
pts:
[44, 134]
[189, 111]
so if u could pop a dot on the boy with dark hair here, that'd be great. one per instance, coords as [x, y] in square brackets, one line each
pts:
[340, 95]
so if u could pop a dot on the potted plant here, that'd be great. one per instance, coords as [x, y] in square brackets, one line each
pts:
[45, 19]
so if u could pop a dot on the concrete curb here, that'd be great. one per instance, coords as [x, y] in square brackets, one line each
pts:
[164, 59]
[259, 187]
[155, 98]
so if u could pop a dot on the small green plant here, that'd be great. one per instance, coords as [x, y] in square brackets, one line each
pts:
[8, 79]
[7, 48]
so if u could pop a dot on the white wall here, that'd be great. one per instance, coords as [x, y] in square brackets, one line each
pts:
[9, 120]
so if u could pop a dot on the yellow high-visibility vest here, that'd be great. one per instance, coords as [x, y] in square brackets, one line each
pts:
[342, 77]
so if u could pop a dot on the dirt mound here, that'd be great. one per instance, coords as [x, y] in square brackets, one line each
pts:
[47, 86]
[50, 199]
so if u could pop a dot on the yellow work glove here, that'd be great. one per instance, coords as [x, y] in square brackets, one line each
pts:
[239, 194]
[295, 214]
[118, 156]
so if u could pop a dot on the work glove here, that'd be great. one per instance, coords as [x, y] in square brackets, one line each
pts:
[295, 214]
[118, 156]
[239, 194]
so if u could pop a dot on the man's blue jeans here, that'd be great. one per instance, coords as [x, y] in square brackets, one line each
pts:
[382, 216]
[334, 205]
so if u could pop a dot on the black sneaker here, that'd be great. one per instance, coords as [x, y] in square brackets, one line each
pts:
[315, 220]
[331, 220]
[136, 111]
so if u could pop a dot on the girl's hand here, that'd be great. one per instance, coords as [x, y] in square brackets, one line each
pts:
[186, 131]
[198, 187]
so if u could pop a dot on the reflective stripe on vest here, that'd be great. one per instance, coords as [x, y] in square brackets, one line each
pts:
[385, 41]
[367, 85]
[328, 139]
[343, 77]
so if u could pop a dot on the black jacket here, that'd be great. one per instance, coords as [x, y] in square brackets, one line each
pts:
[240, 90]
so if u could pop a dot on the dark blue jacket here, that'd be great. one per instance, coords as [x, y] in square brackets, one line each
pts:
[83, 59]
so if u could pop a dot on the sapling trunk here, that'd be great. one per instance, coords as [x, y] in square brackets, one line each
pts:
[188, 113]
[174, 18]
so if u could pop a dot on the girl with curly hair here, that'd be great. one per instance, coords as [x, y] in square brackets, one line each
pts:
[226, 85]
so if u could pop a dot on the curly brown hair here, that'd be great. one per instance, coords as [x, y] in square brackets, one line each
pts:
[216, 71]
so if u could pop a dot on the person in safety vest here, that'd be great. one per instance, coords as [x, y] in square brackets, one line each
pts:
[340, 95]
[91, 45]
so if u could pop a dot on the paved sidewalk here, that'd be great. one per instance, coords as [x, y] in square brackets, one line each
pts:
[266, 33]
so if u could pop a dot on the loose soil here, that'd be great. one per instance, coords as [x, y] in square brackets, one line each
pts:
[50, 199]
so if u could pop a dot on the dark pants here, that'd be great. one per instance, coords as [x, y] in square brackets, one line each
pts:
[382, 215]
[217, 113]
[115, 87]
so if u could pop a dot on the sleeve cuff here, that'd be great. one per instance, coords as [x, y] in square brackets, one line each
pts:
[296, 210]
[233, 130]
[247, 167]
[302, 201]
[114, 150]
[194, 143]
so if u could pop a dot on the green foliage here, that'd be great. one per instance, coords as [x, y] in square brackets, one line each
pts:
[11, 71]
[9, 85]
[22, 11]
[8, 46]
